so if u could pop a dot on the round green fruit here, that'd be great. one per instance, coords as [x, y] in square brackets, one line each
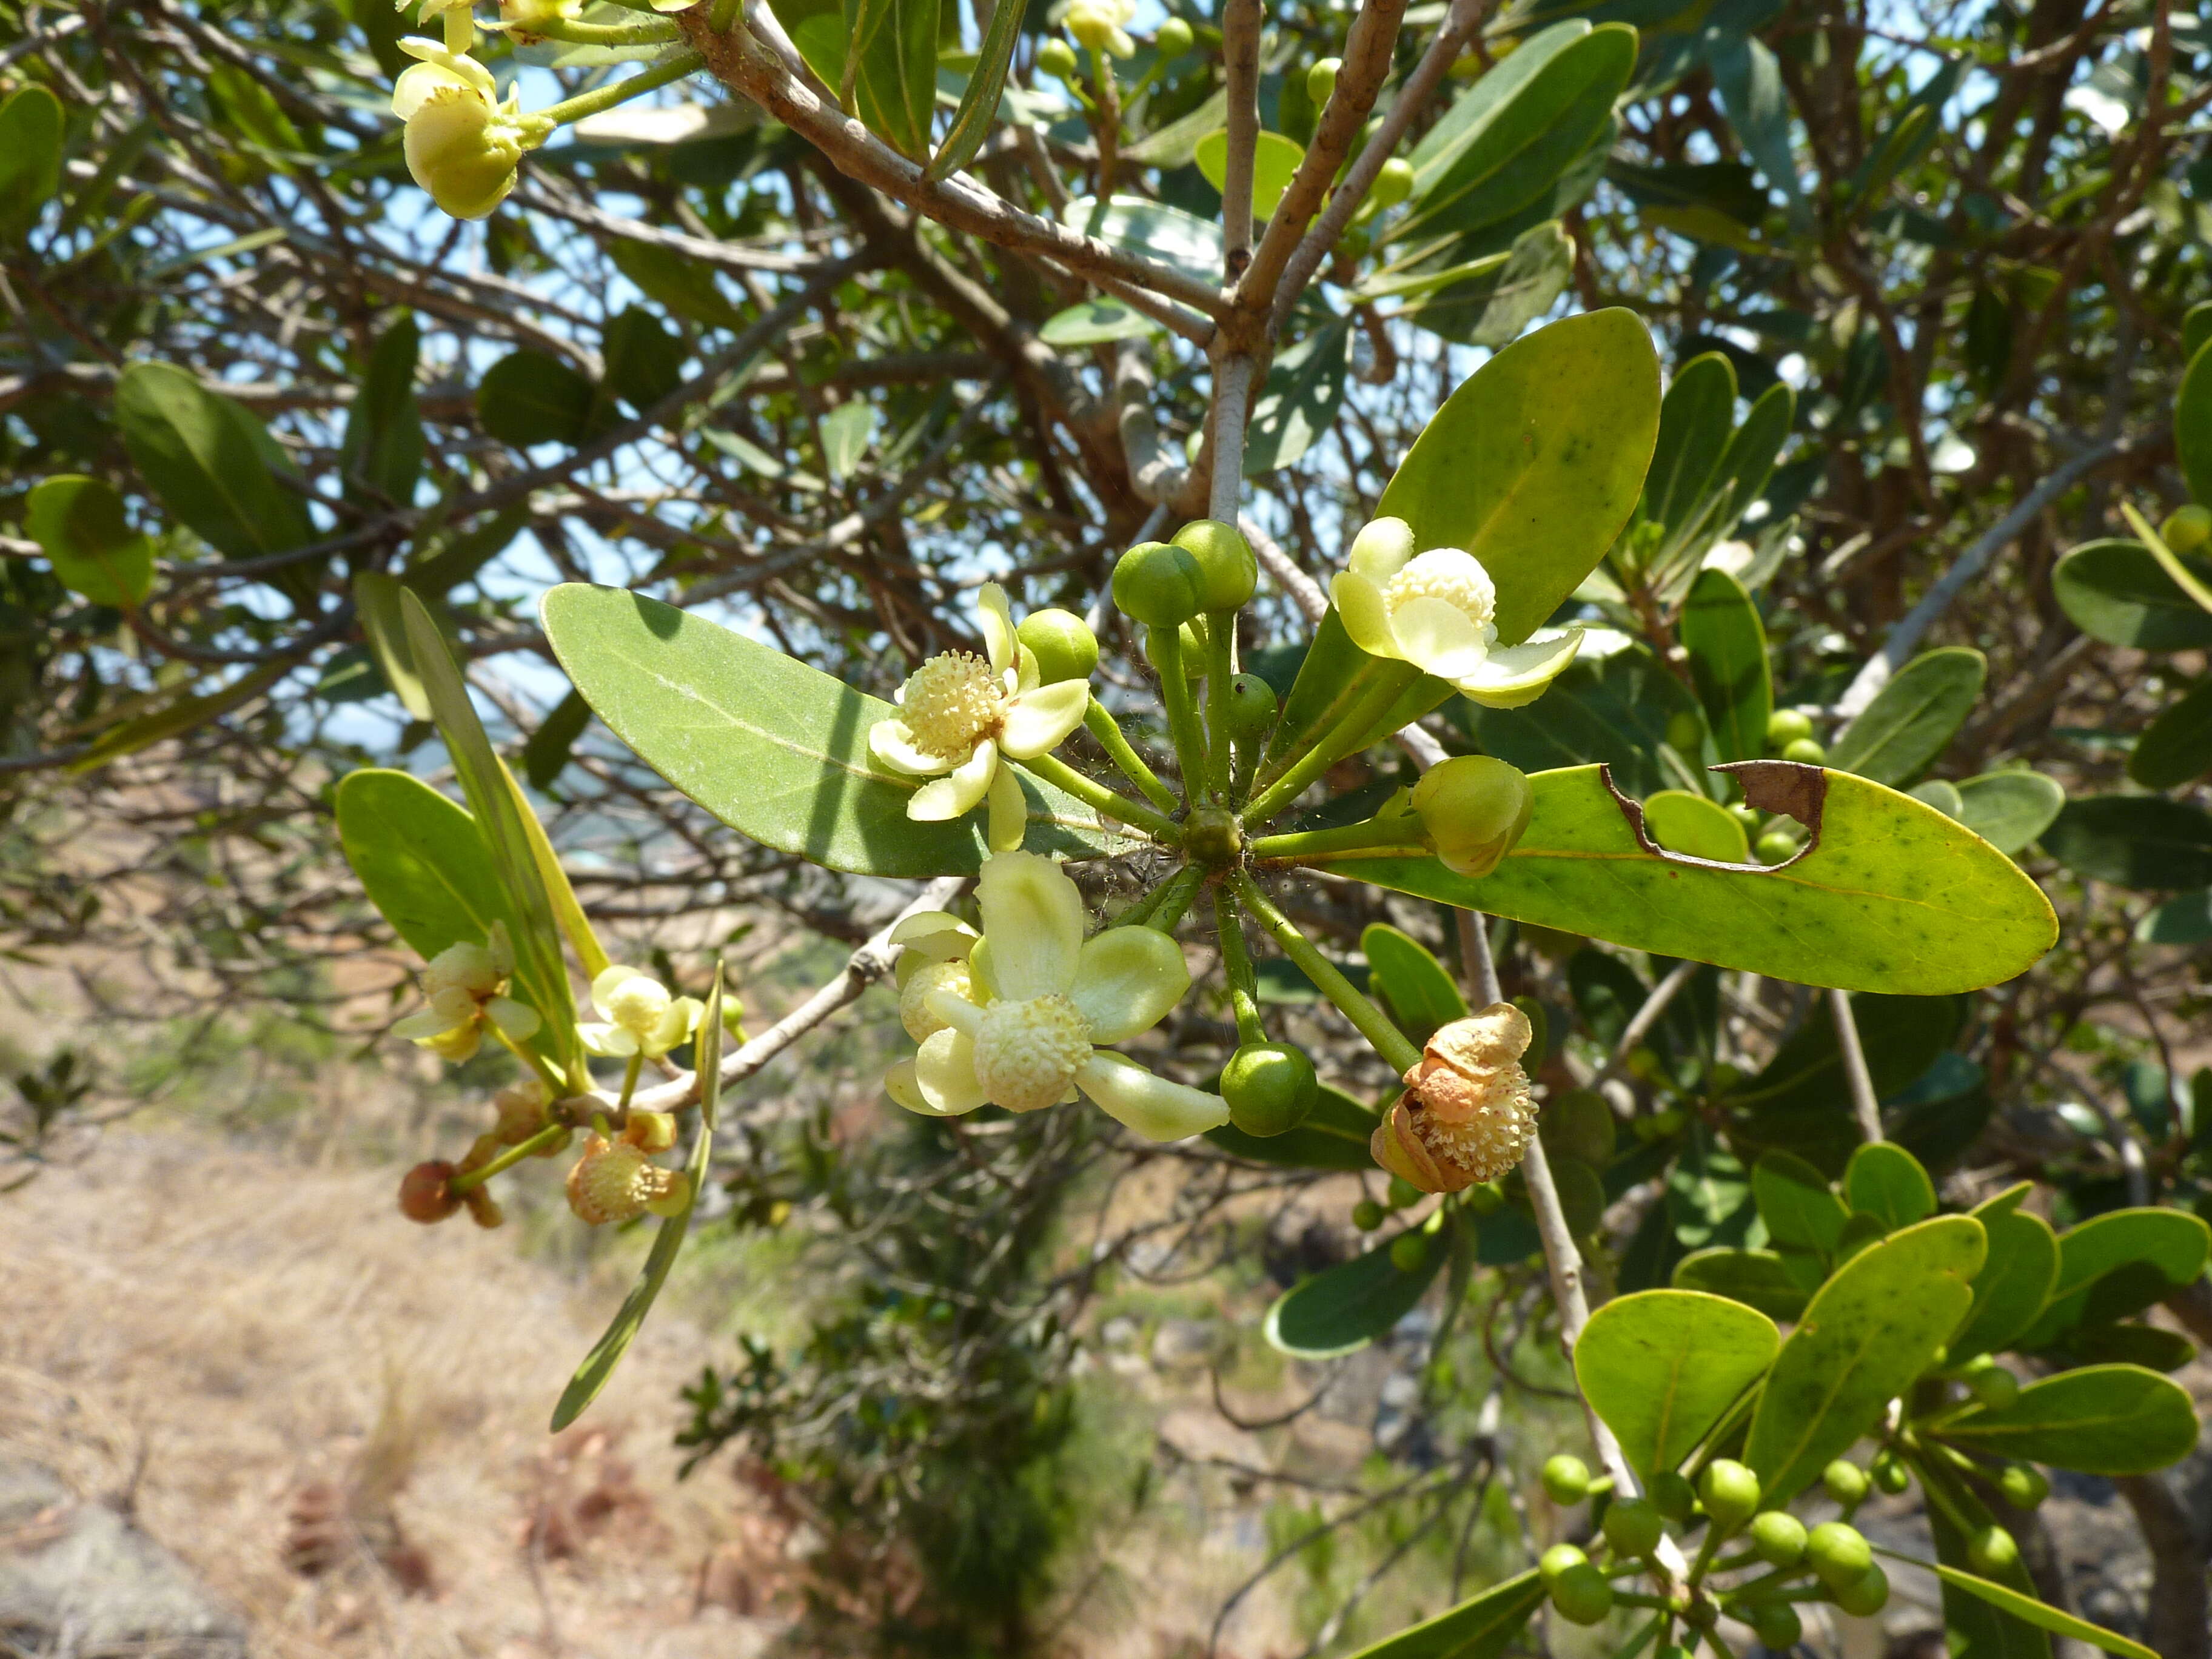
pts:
[1993, 1551]
[1776, 1625]
[1058, 59]
[1779, 1538]
[2187, 528]
[1402, 1193]
[1846, 1482]
[1321, 80]
[1671, 1495]
[1228, 571]
[1062, 643]
[1484, 1198]
[1270, 1087]
[1889, 1474]
[1996, 1387]
[1730, 1491]
[1633, 1526]
[1393, 185]
[1173, 39]
[1159, 585]
[1839, 1552]
[1557, 1561]
[1865, 1595]
[1583, 1595]
[1686, 732]
[1785, 727]
[1251, 708]
[1805, 752]
[1777, 847]
[1409, 1252]
[1367, 1215]
[1566, 1478]
[2023, 1484]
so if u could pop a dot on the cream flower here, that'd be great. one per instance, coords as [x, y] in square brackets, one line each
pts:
[1013, 1019]
[463, 144]
[1434, 609]
[1102, 25]
[960, 714]
[466, 984]
[638, 1016]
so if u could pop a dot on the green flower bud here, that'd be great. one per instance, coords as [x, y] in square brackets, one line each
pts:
[1992, 1552]
[1670, 1494]
[1778, 1537]
[1062, 643]
[1730, 1491]
[1557, 1561]
[1270, 1088]
[1786, 726]
[1839, 1552]
[1173, 39]
[1632, 1527]
[1777, 847]
[1472, 809]
[1583, 1595]
[1393, 185]
[1776, 1625]
[1566, 1478]
[1058, 59]
[1889, 1474]
[1402, 1193]
[2187, 528]
[1367, 1215]
[1409, 1252]
[1321, 80]
[2023, 1485]
[1804, 751]
[1846, 1482]
[1996, 1387]
[1251, 708]
[1749, 816]
[1865, 1596]
[1232, 573]
[1159, 585]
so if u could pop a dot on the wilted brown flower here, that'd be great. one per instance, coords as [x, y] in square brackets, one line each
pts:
[1466, 1116]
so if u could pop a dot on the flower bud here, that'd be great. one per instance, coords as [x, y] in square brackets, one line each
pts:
[1776, 1625]
[461, 145]
[1846, 1482]
[1367, 1215]
[1409, 1252]
[1173, 39]
[2187, 528]
[1566, 1478]
[1465, 1115]
[1159, 585]
[1778, 1537]
[1839, 1553]
[1992, 1552]
[613, 1181]
[425, 1193]
[1805, 752]
[1785, 727]
[1889, 1473]
[1058, 59]
[1321, 80]
[1583, 1595]
[483, 1208]
[650, 1132]
[1994, 1386]
[1252, 708]
[1393, 185]
[1632, 1526]
[1230, 571]
[1270, 1088]
[1559, 1560]
[2023, 1485]
[1062, 643]
[1865, 1595]
[1097, 26]
[1472, 809]
[1731, 1493]
[521, 1108]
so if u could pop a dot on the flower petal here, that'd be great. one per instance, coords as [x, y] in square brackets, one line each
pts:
[518, 1021]
[608, 1041]
[605, 986]
[1517, 674]
[996, 618]
[935, 934]
[1126, 980]
[1440, 638]
[955, 1009]
[899, 1084]
[1359, 606]
[952, 797]
[1033, 917]
[1039, 721]
[1381, 549]
[1009, 819]
[891, 742]
[428, 1023]
[945, 1073]
[1149, 1104]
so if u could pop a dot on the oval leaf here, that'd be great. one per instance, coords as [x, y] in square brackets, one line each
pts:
[1913, 718]
[1094, 322]
[1758, 1279]
[1274, 163]
[422, 859]
[2176, 748]
[2143, 841]
[1887, 1182]
[78, 524]
[211, 463]
[1421, 993]
[1149, 228]
[1727, 644]
[2101, 1419]
[1661, 1366]
[2010, 810]
[1481, 1628]
[1683, 823]
[2115, 592]
[1341, 1310]
[2015, 1280]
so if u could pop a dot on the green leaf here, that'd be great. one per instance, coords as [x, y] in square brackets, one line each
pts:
[546, 754]
[1795, 1202]
[847, 432]
[894, 92]
[2101, 1419]
[1694, 824]
[644, 360]
[380, 457]
[1094, 322]
[30, 158]
[2192, 426]
[1334, 1136]
[1494, 298]
[1887, 1182]
[567, 913]
[684, 285]
[1913, 718]
[2184, 920]
[376, 598]
[776, 749]
[2174, 1242]
[1421, 994]
[2016, 1279]
[212, 464]
[2010, 810]
[422, 859]
[1617, 712]
[2196, 329]
[1748, 77]
[1275, 162]
[606, 1353]
[1972, 1628]
[1481, 1628]
[1662, 1367]
[2040, 1615]
[2116, 592]
[1867, 1335]
[979, 105]
[1748, 462]
[1695, 418]
[1340, 1309]
[1532, 479]
[1298, 402]
[1150, 229]
[2150, 1346]
[2176, 748]
[1758, 1279]
[1727, 645]
[528, 397]
[1176, 145]
[181, 713]
[78, 524]
[1895, 897]
[2143, 841]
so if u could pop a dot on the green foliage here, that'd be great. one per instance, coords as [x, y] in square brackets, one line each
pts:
[1913, 718]
[1340, 1309]
[1722, 632]
[1661, 1368]
[79, 524]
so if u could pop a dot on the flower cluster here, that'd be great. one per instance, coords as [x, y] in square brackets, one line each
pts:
[1102, 25]
[466, 984]
[1465, 1115]
[1014, 1018]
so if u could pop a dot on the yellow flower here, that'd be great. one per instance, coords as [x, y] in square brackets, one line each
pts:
[960, 715]
[637, 1016]
[1013, 1019]
[466, 984]
[463, 144]
[1102, 25]
[1434, 609]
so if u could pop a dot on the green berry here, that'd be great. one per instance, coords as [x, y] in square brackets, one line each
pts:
[1367, 1215]
[1846, 1482]
[1173, 39]
[1402, 1193]
[1839, 1552]
[1776, 847]
[1785, 727]
[2023, 1485]
[1251, 706]
[1671, 1495]
[1393, 185]
[1996, 1387]
[2187, 528]
[1583, 1595]
[1408, 1252]
[1779, 1539]
[1632, 1527]
[1228, 571]
[1805, 752]
[1890, 1474]
[1557, 1561]
[1321, 80]
[1062, 643]
[1159, 585]
[1484, 1198]
[1731, 1493]
[1776, 1625]
[1865, 1596]
[1058, 59]
[1993, 1551]
[1566, 1478]
[1270, 1087]
[1749, 816]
